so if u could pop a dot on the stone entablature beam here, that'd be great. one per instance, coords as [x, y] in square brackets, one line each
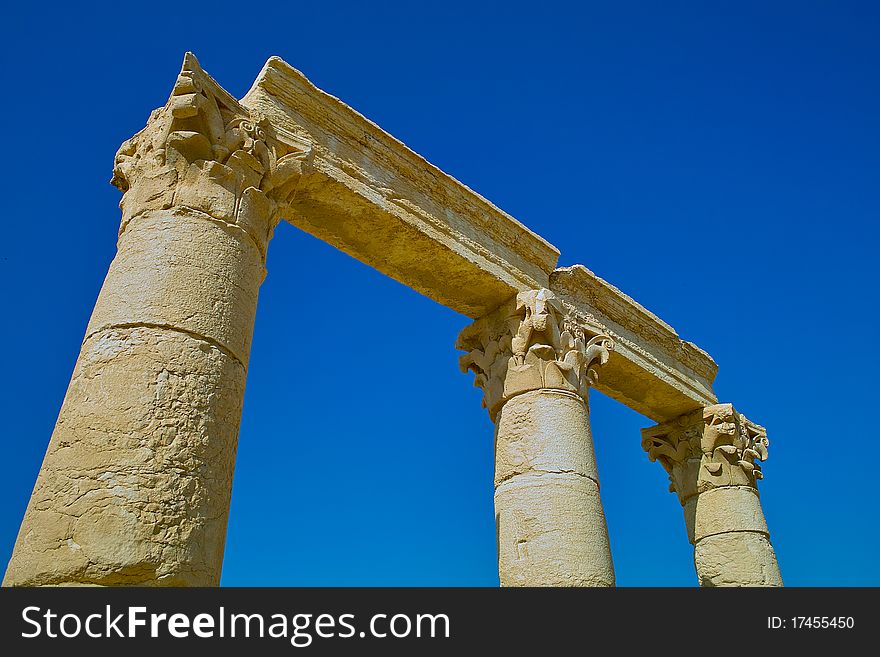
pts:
[652, 370]
[372, 197]
[369, 195]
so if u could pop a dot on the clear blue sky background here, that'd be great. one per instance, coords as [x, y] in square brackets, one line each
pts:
[717, 161]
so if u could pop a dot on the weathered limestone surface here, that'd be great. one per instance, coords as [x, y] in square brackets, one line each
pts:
[651, 370]
[176, 269]
[534, 358]
[372, 197]
[736, 559]
[711, 456]
[135, 485]
[550, 522]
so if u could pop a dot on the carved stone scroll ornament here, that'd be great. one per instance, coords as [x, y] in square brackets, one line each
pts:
[537, 342]
[712, 447]
[204, 152]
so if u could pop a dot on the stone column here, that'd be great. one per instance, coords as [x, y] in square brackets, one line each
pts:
[711, 456]
[135, 485]
[535, 359]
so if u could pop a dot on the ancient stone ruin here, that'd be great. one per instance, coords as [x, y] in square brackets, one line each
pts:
[136, 481]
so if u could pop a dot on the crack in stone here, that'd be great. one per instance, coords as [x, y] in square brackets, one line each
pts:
[167, 327]
[541, 473]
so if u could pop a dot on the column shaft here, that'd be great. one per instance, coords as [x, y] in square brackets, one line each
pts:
[711, 456]
[136, 482]
[730, 537]
[135, 485]
[550, 522]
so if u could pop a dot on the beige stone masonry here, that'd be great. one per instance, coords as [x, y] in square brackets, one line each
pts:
[712, 456]
[135, 485]
[535, 360]
[369, 195]
[652, 370]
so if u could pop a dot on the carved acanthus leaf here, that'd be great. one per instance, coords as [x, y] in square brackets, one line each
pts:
[205, 152]
[533, 342]
[712, 447]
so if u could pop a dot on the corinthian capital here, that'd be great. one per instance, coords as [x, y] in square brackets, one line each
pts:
[534, 341]
[712, 447]
[205, 152]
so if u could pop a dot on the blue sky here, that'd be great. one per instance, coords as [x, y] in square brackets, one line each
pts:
[717, 161]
